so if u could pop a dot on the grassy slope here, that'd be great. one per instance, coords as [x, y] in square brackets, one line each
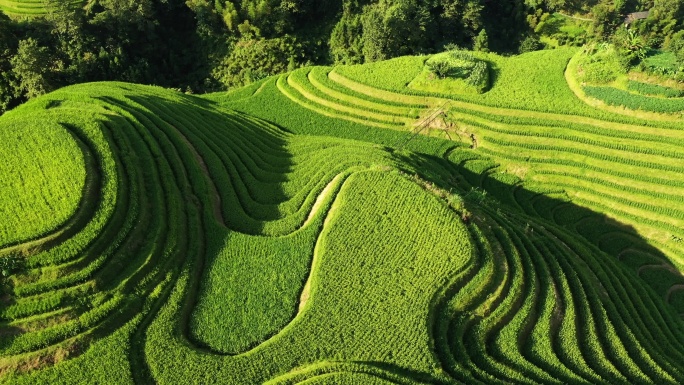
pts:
[28, 7]
[223, 247]
[525, 123]
[43, 172]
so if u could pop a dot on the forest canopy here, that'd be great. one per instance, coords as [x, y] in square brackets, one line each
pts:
[207, 45]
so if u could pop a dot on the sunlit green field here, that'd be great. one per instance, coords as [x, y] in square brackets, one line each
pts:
[335, 225]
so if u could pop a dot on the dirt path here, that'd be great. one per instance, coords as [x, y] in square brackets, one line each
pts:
[575, 17]
[321, 198]
[216, 198]
[661, 266]
[306, 292]
[672, 290]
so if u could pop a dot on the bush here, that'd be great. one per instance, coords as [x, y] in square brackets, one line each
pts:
[676, 45]
[460, 65]
[479, 76]
[10, 265]
[654, 90]
[530, 44]
[254, 59]
[481, 42]
[601, 65]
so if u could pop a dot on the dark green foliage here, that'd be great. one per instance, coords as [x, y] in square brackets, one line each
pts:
[667, 17]
[253, 59]
[616, 97]
[346, 44]
[160, 42]
[31, 68]
[506, 24]
[390, 28]
[607, 18]
[10, 264]
[631, 45]
[394, 28]
[676, 45]
[654, 90]
[8, 43]
[531, 43]
[481, 42]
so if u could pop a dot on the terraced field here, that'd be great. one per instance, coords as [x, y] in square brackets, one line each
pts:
[28, 7]
[317, 228]
[622, 166]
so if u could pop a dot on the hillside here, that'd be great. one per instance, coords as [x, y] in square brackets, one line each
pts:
[29, 8]
[343, 225]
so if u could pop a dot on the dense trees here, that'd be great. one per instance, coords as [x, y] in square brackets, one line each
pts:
[676, 44]
[390, 28]
[7, 45]
[204, 45]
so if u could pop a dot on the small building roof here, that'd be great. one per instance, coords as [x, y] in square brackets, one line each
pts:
[637, 16]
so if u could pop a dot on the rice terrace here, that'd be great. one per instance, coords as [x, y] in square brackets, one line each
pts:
[473, 209]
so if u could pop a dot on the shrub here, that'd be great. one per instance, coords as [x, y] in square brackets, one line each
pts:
[254, 59]
[530, 44]
[479, 76]
[676, 45]
[602, 64]
[10, 265]
[481, 42]
[654, 90]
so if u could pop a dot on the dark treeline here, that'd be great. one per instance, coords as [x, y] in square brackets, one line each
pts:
[207, 45]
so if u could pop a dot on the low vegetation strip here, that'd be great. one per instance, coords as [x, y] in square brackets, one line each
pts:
[30, 7]
[647, 151]
[616, 97]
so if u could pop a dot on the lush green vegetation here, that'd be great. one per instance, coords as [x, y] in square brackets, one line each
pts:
[453, 72]
[654, 90]
[31, 7]
[606, 74]
[43, 171]
[617, 97]
[299, 231]
[376, 191]
[200, 46]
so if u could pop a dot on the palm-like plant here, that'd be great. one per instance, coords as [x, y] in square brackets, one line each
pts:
[636, 44]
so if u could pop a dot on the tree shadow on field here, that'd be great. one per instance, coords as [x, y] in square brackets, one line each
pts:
[229, 165]
[553, 223]
[203, 178]
[494, 74]
[618, 240]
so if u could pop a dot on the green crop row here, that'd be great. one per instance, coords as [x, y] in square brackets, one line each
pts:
[616, 97]
[27, 7]
[43, 169]
[299, 81]
[654, 90]
[222, 246]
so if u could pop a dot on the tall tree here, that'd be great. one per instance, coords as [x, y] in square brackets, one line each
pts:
[30, 67]
[667, 16]
[346, 40]
[395, 27]
[8, 43]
